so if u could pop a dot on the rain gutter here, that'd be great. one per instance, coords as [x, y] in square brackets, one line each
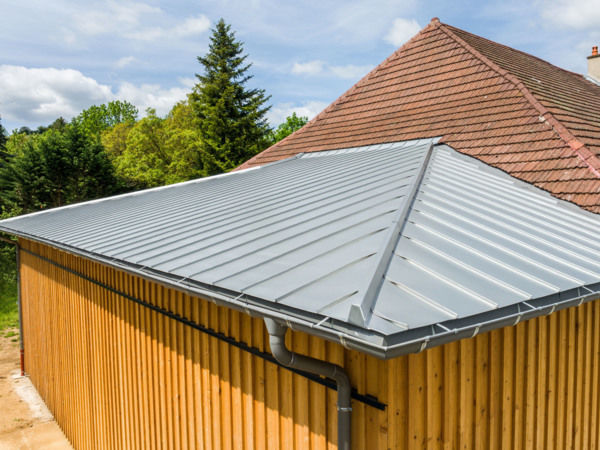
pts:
[348, 335]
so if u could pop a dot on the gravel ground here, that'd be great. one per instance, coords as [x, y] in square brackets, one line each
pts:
[25, 422]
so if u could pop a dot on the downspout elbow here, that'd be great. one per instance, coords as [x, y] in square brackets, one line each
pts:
[316, 366]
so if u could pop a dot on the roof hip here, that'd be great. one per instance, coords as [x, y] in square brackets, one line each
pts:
[577, 147]
[361, 312]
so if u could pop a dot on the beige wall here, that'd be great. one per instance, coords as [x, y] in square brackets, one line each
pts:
[118, 375]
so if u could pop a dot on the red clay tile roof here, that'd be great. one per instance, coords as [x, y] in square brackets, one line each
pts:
[509, 109]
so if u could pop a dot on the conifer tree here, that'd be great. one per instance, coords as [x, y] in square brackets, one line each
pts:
[56, 168]
[231, 117]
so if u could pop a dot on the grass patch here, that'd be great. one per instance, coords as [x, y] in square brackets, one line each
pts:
[9, 313]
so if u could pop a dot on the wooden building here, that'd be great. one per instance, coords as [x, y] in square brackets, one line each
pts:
[423, 243]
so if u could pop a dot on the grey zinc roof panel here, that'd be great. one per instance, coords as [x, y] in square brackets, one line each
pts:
[385, 244]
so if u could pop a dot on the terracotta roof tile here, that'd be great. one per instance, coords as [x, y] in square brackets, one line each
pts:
[509, 109]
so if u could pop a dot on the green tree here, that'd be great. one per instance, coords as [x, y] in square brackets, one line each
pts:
[114, 139]
[59, 124]
[292, 123]
[3, 137]
[96, 118]
[144, 161]
[184, 142]
[232, 121]
[4, 155]
[56, 168]
[156, 151]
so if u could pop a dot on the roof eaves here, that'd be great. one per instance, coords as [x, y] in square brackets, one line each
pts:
[576, 146]
[423, 338]
[348, 335]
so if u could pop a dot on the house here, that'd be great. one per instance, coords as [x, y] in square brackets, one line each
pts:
[417, 267]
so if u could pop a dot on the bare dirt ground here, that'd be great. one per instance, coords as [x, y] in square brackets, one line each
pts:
[25, 422]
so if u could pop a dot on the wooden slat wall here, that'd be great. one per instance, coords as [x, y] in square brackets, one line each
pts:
[117, 375]
[531, 386]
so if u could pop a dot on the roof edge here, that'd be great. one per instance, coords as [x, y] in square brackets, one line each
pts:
[372, 343]
[577, 147]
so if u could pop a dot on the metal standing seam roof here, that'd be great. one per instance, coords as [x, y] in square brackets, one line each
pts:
[387, 248]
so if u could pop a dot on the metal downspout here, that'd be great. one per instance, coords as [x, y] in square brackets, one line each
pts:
[18, 263]
[290, 359]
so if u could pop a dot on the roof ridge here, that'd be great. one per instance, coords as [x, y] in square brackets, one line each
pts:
[512, 49]
[342, 97]
[576, 146]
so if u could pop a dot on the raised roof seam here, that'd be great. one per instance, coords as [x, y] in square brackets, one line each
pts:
[361, 312]
[576, 146]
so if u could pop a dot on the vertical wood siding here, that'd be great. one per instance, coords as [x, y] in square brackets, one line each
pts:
[531, 386]
[118, 375]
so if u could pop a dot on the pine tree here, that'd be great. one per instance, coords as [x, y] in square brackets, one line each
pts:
[232, 121]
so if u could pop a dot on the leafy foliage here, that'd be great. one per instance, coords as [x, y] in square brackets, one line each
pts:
[292, 123]
[145, 159]
[231, 117]
[106, 149]
[156, 151]
[96, 119]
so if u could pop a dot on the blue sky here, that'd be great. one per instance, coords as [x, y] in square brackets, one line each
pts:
[59, 57]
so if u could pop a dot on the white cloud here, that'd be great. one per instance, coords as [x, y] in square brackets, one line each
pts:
[572, 13]
[279, 112]
[187, 81]
[192, 26]
[132, 20]
[125, 61]
[316, 67]
[360, 21]
[151, 96]
[350, 71]
[402, 30]
[113, 17]
[308, 68]
[189, 27]
[40, 95]
[35, 96]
